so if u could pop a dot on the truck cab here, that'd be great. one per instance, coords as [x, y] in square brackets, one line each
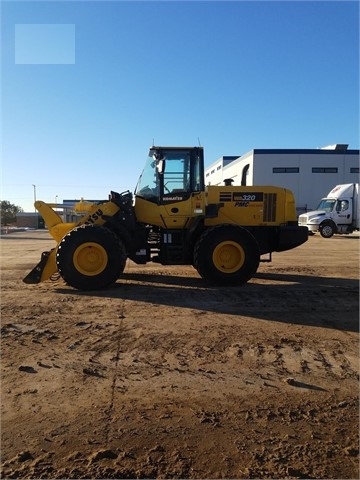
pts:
[338, 212]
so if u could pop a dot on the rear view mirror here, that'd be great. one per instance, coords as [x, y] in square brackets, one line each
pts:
[160, 165]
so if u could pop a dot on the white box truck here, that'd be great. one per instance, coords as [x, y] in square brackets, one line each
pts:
[338, 212]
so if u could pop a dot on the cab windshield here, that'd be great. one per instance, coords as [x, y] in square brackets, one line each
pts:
[326, 204]
[148, 185]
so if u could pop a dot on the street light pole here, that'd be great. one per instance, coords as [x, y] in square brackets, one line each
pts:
[56, 197]
[34, 194]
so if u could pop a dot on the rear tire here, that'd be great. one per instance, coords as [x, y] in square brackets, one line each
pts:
[90, 257]
[226, 255]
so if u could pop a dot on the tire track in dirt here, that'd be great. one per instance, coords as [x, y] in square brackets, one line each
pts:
[105, 346]
[120, 336]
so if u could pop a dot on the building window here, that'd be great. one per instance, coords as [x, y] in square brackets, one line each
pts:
[212, 171]
[207, 174]
[286, 170]
[324, 170]
[219, 167]
[354, 169]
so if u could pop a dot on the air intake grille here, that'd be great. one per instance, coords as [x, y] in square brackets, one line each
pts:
[269, 214]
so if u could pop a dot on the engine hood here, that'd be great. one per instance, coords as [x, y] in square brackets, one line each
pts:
[314, 213]
[317, 213]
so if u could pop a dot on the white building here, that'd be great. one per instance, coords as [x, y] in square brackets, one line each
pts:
[309, 173]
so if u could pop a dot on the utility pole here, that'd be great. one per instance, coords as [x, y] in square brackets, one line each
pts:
[34, 194]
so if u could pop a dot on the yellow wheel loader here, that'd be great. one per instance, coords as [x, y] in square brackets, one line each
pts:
[172, 219]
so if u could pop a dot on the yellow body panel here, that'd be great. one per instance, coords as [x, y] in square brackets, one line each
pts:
[174, 214]
[257, 206]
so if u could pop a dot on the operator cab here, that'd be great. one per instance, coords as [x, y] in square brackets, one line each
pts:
[171, 174]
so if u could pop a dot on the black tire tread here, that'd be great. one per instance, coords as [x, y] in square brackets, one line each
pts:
[116, 264]
[202, 256]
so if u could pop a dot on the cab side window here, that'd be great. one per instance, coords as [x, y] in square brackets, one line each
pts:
[342, 205]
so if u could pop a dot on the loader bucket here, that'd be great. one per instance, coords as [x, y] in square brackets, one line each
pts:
[44, 269]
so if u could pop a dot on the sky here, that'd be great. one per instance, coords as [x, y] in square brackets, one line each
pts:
[87, 87]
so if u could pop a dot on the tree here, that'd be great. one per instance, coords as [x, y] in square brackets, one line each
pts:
[8, 212]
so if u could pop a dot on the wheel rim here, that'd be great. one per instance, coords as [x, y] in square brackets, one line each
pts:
[228, 257]
[90, 259]
[327, 231]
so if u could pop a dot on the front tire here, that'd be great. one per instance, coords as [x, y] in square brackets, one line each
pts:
[90, 257]
[327, 230]
[226, 255]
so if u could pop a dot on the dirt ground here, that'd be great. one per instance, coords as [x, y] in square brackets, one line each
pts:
[162, 376]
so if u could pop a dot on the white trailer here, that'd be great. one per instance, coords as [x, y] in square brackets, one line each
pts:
[338, 212]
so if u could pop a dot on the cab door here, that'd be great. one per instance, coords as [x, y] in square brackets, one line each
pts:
[180, 182]
[342, 214]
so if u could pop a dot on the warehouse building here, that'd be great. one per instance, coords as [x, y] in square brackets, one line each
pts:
[309, 173]
[29, 220]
